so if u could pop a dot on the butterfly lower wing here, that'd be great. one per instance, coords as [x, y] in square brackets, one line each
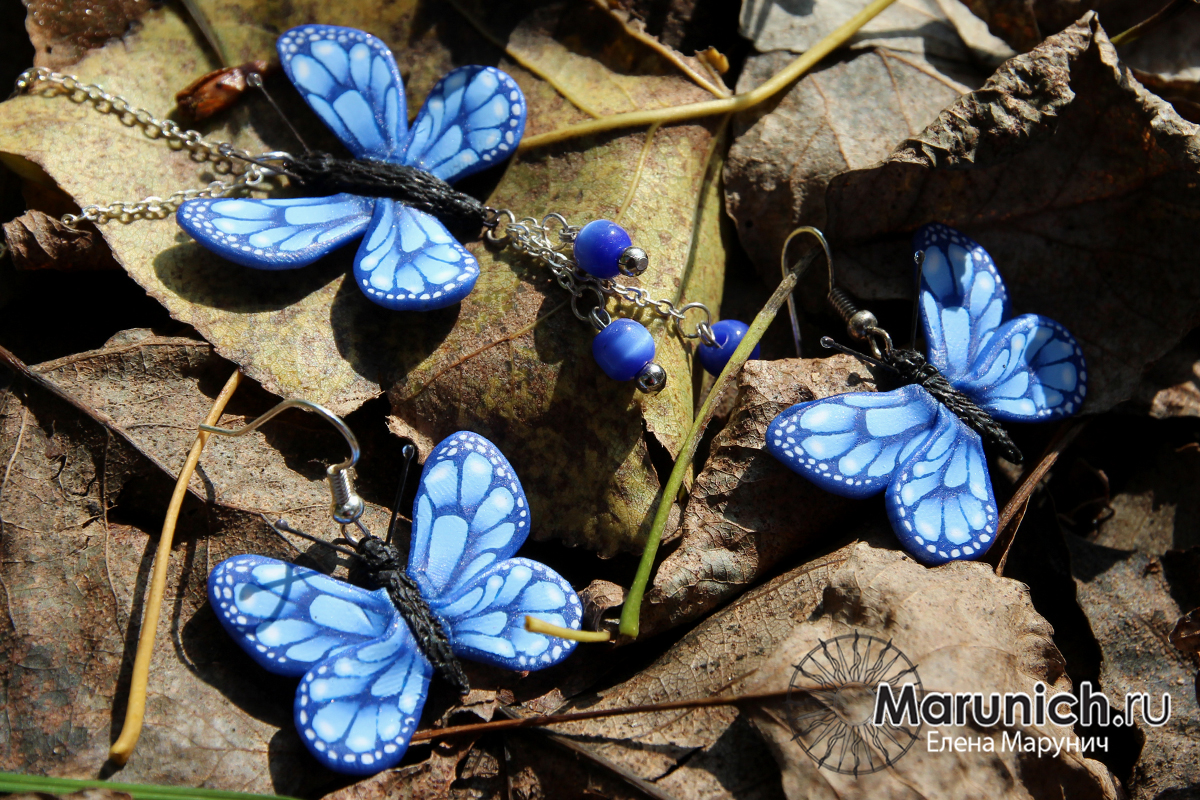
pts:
[962, 297]
[275, 234]
[487, 614]
[850, 444]
[1032, 370]
[350, 79]
[473, 118]
[408, 261]
[357, 709]
[288, 617]
[470, 513]
[941, 503]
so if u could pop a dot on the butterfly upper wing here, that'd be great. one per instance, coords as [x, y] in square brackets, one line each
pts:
[850, 444]
[941, 503]
[275, 234]
[963, 298]
[1032, 370]
[350, 79]
[487, 614]
[408, 260]
[473, 118]
[288, 617]
[470, 513]
[357, 709]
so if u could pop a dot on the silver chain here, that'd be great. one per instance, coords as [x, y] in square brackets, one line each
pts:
[550, 240]
[222, 156]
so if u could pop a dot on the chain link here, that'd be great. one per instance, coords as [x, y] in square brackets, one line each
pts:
[222, 156]
[550, 242]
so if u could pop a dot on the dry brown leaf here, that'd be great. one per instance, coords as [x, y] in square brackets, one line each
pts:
[966, 630]
[1129, 604]
[848, 115]
[1185, 635]
[74, 577]
[747, 512]
[155, 390]
[39, 241]
[705, 752]
[1171, 387]
[1062, 160]
[63, 31]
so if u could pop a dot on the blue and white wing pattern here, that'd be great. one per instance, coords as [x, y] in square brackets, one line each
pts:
[470, 513]
[851, 444]
[1032, 370]
[473, 118]
[288, 617]
[469, 518]
[350, 79]
[356, 711]
[940, 502]
[276, 234]
[963, 299]
[487, 615]
[410, 262]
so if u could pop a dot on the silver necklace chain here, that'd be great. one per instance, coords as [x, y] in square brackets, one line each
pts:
[550, 241]
[223, 156]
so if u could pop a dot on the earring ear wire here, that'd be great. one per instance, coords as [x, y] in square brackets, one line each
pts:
[346, 506]
[783, 266]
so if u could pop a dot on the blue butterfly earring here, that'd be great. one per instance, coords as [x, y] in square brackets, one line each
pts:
[365, 656]
[394, 193]
[923, 442]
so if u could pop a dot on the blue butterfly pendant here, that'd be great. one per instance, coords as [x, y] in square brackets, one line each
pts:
[363, 676]
[473, 118]
[931, 464]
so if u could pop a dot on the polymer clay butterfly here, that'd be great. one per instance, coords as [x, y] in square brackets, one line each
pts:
[364, 676]
[928, 459]
[473, 118]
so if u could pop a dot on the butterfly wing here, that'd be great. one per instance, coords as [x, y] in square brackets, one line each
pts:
[486, 615]
[963, 299]
[357, 709]
[850, 444]
[275, 234]
[941, 503]
[408, 261]
[350, 79]
[288, 617]
[473, 118]
[470, 513]
[1032, 370]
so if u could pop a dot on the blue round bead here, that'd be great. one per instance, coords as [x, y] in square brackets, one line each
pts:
[622, 349]
[598, 247]
[729, 334]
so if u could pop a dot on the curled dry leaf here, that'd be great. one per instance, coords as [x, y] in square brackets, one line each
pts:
[966, 630]
[38, 241]
[1171, 387]
[511, 361]
[1060, 160]
[74, 578]
[747, 512]
[1129, 600]
[1186, 633]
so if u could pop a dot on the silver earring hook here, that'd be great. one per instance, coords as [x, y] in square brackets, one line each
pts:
[346, 506]
[783, 265]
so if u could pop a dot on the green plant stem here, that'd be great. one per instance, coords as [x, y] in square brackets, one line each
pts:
[12, 782]
[632, 609]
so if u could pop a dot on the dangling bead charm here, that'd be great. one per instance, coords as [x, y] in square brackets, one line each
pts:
[728, 334]
[603, 249]
[624, 349]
